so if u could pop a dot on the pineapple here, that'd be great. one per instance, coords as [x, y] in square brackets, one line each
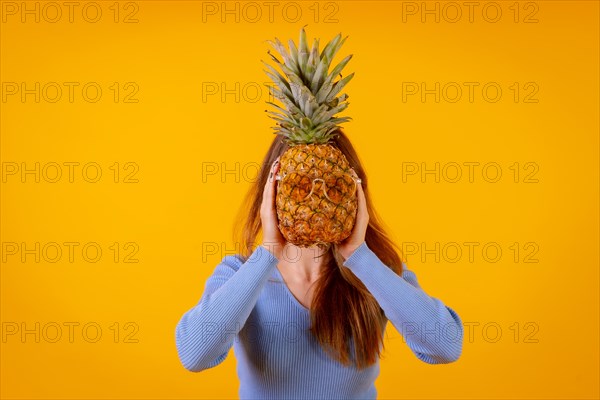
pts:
[316, 199]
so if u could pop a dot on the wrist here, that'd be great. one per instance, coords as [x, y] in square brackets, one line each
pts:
[275, 248]
[346, 252]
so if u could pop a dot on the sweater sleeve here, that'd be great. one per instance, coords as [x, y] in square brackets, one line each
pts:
[433, 331]
[205, 334]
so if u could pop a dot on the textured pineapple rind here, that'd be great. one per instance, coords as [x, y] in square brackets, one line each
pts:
[316, 220]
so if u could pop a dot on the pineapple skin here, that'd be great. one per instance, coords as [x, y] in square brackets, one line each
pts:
[317, 219]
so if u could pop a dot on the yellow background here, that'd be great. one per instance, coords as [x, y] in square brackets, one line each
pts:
[175, 213]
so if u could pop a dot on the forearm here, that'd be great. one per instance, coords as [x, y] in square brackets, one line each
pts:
[206, 332]
[432, 330]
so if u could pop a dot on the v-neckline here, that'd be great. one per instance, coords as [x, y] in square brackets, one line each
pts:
[289, 292]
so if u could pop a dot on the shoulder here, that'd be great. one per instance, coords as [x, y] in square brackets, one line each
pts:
[225, 269]
[233, 261]
[260, 255]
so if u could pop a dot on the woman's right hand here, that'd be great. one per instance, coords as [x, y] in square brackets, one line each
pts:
[272, 238]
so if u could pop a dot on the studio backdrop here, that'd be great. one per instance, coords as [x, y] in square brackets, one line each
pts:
[131, 130]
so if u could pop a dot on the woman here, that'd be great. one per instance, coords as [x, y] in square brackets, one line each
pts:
[309, 322]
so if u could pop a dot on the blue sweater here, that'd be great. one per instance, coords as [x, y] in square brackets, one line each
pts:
[248, 306]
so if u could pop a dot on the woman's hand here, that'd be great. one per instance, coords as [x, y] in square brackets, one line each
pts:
[357, 237]
[272, 238]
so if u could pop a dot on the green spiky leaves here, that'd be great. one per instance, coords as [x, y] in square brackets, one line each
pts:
[310, 95]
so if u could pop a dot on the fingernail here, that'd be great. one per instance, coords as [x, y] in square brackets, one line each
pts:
[270, 175]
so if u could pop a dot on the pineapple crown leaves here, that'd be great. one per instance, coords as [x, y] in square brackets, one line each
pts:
[308, 91]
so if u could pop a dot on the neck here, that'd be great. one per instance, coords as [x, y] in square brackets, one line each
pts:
[303, 263]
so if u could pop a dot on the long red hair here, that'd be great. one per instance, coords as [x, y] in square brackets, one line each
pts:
[344, 314]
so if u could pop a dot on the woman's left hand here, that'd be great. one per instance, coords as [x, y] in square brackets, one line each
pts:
[357, 237]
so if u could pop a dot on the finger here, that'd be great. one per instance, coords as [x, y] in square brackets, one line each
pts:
[274, 169]
[271, 175]
[360, 192]
[274, 180]
[362, 201]
[269, 190]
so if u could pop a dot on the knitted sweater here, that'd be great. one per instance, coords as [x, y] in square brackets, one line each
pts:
[247, 306]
